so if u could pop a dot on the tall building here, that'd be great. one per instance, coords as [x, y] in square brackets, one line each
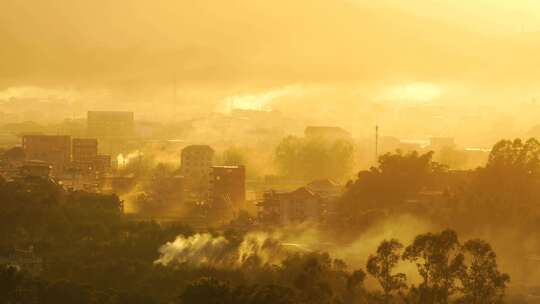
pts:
[110, 124]
[52, 149]
[84, 149]
[196, 163]
[228, 186]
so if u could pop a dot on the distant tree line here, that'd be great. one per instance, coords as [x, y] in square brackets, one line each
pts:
[506, 191]
[314, 158]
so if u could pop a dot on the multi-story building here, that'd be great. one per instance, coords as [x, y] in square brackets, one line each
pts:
[10, 162]
[52, 149]
[228, 186]
[196, 164]
[84, 150]
[86, 159]
[102, 163]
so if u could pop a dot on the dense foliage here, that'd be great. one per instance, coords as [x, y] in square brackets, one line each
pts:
[312, 158]
[92, 253]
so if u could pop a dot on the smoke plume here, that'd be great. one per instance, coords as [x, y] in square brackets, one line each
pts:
[199, 250]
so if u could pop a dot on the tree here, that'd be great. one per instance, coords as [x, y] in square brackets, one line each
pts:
[10, 281]
[134, 298]
[314, 158]
[266, 294]
[381, 266]
[312, 281]
[513, 168]
[355, 292]
[481, 280]
[508, 186]
[439, 261]
[66, 292]
[207, 291]
[397, 177]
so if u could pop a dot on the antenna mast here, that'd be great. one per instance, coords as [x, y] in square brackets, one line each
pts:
[376, 143]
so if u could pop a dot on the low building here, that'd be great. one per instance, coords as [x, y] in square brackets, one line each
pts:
[291, 207]
[35, 168]
[326, 188]
[52, 149]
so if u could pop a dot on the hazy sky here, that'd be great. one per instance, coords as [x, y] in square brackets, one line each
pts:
[212, 51]
[492, 16]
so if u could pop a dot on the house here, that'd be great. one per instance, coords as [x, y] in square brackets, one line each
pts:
[326, 188]
[290, 207]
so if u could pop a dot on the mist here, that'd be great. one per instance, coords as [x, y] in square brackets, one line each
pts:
[250, 151]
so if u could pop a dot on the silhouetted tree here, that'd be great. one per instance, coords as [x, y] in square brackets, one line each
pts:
[311, 282]
[481, 281]
[266, 294]
[513, 169]
[382, 265]
[355, 290]
[439, 261]
[506, 188]
[66, 292]
[397, 177]
[207, 291]
[10, 282]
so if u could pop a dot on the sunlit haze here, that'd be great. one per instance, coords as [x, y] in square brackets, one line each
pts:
[270, 151]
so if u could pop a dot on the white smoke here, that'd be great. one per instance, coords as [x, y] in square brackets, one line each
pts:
[260, 248]
[255, 249]
[197, 250]
[124, 160]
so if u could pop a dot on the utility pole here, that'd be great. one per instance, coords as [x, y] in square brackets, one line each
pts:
[376, 143]
[175, 85]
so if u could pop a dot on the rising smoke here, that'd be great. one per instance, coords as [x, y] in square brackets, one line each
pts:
[199, 250]
[264, 248]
